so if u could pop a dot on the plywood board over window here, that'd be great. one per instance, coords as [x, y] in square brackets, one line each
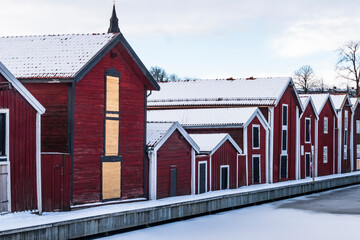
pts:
[112, 161]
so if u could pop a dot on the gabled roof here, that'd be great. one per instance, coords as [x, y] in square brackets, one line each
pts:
[68, 56]
[319, 100]
[244, 92]
[21, 89]
[339, 100]
[158, 132]
[209, 143]
[209, 117]
[354, 102]
[306, 100]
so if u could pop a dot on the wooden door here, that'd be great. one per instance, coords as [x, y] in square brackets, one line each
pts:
[4, 198]
[256, 169]
[173, 182]
[202, 177]
[224, 178]
[307, 164]
[4, 165]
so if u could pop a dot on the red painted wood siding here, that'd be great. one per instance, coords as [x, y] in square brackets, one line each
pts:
[235, 133]
[22, 135]
[174, 153]
[242, 170]
[89, 129]
[356, 136]
[54, 123]
[56, 173]
[289, 97]
[309, 112]
[326, 139]
[252, 152]
[225, 155]
[345, 163]
[202, 158]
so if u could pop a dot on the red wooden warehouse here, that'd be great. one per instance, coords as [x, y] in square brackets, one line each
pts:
[94, 88]
[171, 154]
[277, 99]
[308, 138]
[247, 126]
[20, 160]
[221, 162]
[356, 132]
[343, 107]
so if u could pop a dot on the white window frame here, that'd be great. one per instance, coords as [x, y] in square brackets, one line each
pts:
[357, 126]
[326, 125]
[358, 151]
[7, 155]
[325, 154]
[206, 171]
[228, 176]
[284, 128]
[253, 156]
[258, 127]
[307, 119]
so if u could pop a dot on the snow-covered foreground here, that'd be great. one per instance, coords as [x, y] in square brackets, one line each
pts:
[266, 221]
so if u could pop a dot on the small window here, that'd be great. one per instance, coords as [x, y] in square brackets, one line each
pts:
[326, 125]
[358, 151]
[345, 151]
[284, 115]
[284, 140]
[2, 135]
[357, 126]
[256, 137]
[307, 130]
[346, 119]
[325, 154]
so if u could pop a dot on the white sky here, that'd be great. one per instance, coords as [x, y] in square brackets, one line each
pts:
[205, 38]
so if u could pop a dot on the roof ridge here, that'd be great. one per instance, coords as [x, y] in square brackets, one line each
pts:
[210, 99]
[58, 35]
[222, 79]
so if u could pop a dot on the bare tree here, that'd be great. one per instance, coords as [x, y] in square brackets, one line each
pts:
[158, 74]
[304, 78]
[348, 64]
[322, 86]
[173, 77]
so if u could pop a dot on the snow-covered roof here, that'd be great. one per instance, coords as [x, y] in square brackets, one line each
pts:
[207, 117]
[21, 89]
[209, 143]
[250, 92]
[50, 56]
[319, 100]
[304, 99]
[338, 100]
[353, 101]
[158, 132]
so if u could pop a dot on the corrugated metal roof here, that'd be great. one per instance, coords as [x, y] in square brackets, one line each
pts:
[155, 131]
[208, 142]
[50, 56]
[204, 117]
[251, 92]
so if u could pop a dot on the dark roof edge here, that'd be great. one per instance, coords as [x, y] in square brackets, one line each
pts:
[100, 54]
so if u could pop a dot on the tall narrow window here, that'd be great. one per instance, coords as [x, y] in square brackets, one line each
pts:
[346, 124]
[325, 154]
[326, 125]
[358, 151]
[256, 136]
[284, 128]
[283, 167]
[111, 161]
[307, 130]
[2, 136]
[357, 126]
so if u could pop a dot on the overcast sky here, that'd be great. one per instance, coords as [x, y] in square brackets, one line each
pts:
[205, 38]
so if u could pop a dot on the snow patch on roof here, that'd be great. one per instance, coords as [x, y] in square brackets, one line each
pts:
[208, 142]
[50, 56]
[258, 91]
[338, 100]
[155, 131]
[204, 117]
[319, 100]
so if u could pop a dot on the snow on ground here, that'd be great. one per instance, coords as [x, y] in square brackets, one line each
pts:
[27, 219]
[266, 221]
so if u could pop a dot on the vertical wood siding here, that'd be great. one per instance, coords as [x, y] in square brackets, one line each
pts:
[22, 117]
[345, 163]
[174, 153]
[356, 135]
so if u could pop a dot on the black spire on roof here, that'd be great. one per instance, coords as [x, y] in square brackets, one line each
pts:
[114, 22]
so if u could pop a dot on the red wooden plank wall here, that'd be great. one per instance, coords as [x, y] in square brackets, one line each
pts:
[326, 139]
[225, 155]
[242, 171]
[174, 153]
[261, 151]
[356, 136]
[56, 173]
[89, 129]
[22, 117]
[345, 163]
[54, 97]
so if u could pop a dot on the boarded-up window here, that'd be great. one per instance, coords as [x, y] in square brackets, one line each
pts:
[111, 179]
